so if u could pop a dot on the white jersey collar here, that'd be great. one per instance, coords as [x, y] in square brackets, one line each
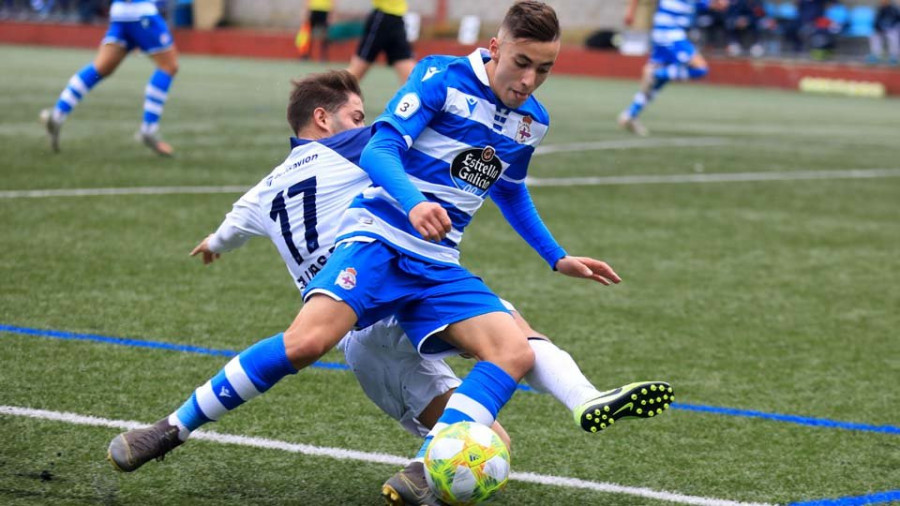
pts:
[476, 59]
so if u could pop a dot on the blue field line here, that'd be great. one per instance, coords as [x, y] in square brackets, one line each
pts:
[800, 420]
[876, 498]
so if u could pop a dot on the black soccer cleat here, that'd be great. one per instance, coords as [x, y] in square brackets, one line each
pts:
[644, 399]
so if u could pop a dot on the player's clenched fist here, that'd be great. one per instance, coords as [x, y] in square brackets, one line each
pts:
[431, 220]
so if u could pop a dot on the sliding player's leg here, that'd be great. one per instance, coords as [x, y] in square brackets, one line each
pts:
[317, 328]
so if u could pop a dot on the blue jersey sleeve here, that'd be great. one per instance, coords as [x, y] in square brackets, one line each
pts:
[517, 207]
[419, 100]
[381, 159]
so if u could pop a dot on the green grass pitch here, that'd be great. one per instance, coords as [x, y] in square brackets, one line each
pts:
[780, 296]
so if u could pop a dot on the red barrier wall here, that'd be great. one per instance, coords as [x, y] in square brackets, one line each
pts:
[572, 60]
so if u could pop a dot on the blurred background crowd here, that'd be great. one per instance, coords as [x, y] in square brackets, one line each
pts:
[862, 30]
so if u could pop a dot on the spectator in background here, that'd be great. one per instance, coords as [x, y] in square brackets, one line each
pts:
[808, 25]
[743, 20]
[887, 28]
[384, 32]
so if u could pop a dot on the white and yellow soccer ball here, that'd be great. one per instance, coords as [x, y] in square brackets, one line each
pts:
[466, 463]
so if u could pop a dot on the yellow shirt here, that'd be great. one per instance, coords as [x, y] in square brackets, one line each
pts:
[395, 7]
[320, 5]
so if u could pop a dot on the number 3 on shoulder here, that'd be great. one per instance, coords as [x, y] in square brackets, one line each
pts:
[407, 105]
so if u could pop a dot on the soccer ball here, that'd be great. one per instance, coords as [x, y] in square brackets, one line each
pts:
[466, 463]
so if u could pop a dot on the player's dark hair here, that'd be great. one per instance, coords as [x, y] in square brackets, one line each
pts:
[328, 90]
[531, 20]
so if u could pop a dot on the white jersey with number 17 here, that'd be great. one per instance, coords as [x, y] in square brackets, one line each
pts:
[299, 204]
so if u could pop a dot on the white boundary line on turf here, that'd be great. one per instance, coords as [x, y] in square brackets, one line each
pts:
[716, 178]
[532, 181]
[379, 458]
[671, 142]
[147, 190]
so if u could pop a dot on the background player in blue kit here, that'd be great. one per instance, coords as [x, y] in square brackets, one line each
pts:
[462, 128]
[133, 24]
[673, 57]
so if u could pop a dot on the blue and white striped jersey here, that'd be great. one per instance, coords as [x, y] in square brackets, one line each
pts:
[461, 139]
[300, 203]
[672, 19]
[131, 10]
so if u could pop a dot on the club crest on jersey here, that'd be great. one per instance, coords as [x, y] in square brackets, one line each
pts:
[523, 130]
[346, 279]
[475, 170]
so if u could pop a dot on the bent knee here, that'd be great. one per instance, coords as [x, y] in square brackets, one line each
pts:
[518, 361]
[305, 347]
[170, 69]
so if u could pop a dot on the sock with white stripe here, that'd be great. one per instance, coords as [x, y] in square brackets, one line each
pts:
[557, 374]
[78, 86]
[637, 104]
[247, 375]
[478, 399]
[155, 95]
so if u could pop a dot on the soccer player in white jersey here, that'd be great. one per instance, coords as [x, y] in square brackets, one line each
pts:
[132, 24]
[673, 57]
[396, 257]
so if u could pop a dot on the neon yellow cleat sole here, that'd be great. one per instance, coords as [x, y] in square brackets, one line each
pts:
[644, 399]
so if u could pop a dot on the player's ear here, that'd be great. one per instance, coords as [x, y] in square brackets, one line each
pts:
[494, 48]
[320, 118]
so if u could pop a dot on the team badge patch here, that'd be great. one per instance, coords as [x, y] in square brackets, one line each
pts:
[407, 106]
[475, 170]
[346, 279]
[523, 131]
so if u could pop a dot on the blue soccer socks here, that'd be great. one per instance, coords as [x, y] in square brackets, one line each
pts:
[478, 399]
[78, 86]
[249, 374]
[155, 95]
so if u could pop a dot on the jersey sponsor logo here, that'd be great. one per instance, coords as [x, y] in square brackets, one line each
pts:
[475, 170]
[346, 279]
[523, 131]
[407, 106]
[431, 72]
[299, 163]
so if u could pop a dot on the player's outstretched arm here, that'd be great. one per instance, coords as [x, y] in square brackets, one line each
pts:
[588, 268]
[209, 256]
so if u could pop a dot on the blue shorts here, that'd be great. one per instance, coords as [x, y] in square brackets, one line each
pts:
[378, 281]
[677, 52]
[150, 34]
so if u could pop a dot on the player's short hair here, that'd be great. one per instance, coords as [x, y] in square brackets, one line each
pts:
[531, 20]
[328, 90]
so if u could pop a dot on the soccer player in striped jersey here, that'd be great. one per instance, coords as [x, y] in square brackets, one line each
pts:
[395, 256]
[673, 56]
[132, 24]
[325, 169]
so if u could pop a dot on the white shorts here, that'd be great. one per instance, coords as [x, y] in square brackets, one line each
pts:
[393, 375]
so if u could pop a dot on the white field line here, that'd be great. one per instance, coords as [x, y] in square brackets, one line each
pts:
[147, 190]
[379, 458]
[716, 178]
[532, 181]
[672, 142]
